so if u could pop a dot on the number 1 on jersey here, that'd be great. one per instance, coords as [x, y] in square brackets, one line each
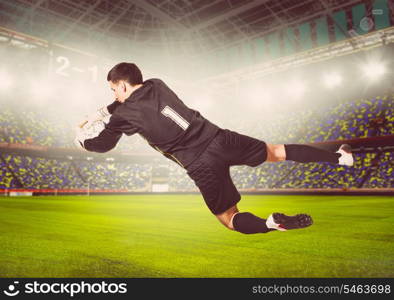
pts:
[173, 115]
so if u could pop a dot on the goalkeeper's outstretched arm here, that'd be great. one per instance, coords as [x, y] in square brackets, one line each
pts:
[104, 142]
[107, 139]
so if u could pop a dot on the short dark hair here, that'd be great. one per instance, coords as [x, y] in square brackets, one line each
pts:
[125, 71]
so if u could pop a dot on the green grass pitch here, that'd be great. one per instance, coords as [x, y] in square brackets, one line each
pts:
[177, 236]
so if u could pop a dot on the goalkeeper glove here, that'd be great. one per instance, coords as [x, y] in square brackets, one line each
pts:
[98, 115]
[80, 137]
[84, 132]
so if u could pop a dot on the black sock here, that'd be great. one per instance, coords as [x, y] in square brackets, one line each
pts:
[304, 154]
[248, 223]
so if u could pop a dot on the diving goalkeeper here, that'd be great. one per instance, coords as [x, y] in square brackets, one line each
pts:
[151, 109]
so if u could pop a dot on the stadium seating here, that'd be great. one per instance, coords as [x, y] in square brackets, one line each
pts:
[354, 119]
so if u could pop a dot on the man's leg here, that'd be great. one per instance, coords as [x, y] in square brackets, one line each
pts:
[248, 223]
[243, 222]
[305, 154]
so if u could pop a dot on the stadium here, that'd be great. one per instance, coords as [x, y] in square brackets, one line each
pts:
[304, 72]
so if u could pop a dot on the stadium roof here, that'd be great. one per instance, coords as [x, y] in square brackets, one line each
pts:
[184, 27]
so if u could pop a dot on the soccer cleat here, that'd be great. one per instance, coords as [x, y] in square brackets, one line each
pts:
[282, 222]
[346, 158]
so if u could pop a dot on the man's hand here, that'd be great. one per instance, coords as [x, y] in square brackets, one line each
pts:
[85, 131]
[80, 136]
[98, 115]
[81, 131]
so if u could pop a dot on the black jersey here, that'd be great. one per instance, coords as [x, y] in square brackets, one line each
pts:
[158, 115]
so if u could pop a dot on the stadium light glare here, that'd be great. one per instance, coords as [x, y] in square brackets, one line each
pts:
[296, 89]
[5, 80]
[41, 90]
[332, 80]
[374, 70]
[266, 96]
[199, 101]
[80, 96]
[256, 96]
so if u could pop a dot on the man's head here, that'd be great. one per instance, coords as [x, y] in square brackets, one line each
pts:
[124, 79]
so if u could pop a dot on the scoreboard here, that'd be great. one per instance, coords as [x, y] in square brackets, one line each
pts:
[35, 56]
[72, 63]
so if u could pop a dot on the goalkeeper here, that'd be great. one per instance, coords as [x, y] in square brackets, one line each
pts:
[151, 109]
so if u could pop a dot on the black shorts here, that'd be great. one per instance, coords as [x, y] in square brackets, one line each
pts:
[211, 170]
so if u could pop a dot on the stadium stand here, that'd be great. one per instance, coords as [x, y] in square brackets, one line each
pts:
[354, 119]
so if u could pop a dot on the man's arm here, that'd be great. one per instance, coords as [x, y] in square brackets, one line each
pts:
[109, 137]
[104, 142]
